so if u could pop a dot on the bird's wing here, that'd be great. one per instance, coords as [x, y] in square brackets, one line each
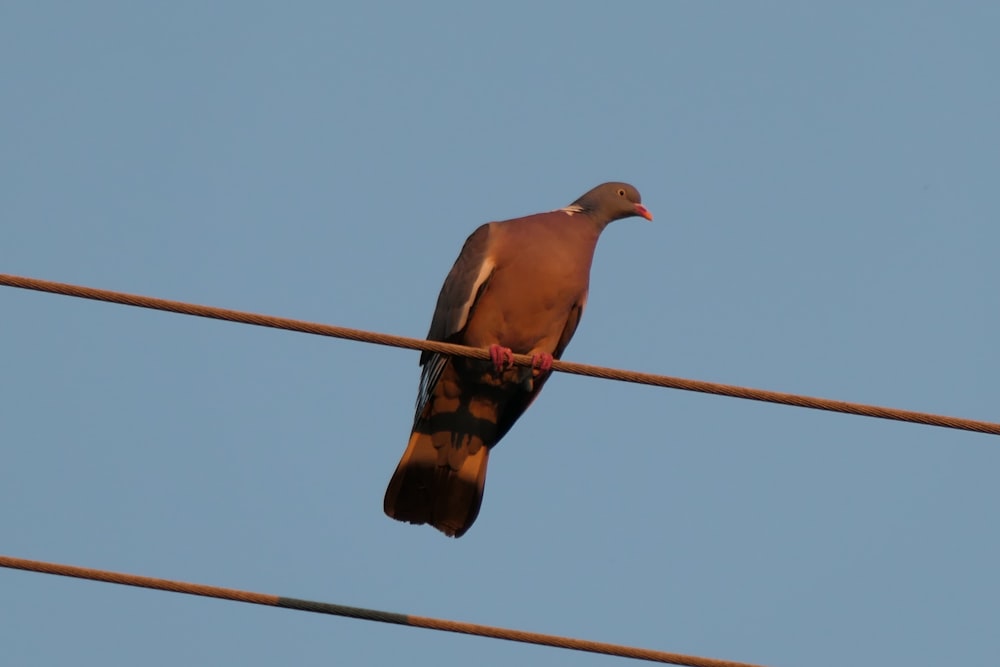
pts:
[466, 281]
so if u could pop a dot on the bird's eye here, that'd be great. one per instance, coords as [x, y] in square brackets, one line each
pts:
[621, 192]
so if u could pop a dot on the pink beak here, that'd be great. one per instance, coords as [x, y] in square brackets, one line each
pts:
[643, 211]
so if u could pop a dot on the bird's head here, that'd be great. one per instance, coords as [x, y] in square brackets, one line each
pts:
[613, 201]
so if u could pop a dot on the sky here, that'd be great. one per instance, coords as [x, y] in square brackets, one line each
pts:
[824, 183]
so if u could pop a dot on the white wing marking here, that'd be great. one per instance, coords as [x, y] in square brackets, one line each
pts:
[484, 272]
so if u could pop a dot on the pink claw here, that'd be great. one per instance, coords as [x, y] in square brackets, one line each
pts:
[502, 357]
[542, 361]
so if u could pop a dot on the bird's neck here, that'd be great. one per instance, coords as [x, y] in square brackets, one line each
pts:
[578, 209]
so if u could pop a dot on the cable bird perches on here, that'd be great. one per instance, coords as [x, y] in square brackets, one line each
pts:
[667, 381]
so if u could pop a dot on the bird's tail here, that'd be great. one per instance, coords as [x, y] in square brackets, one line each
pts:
[439, 481]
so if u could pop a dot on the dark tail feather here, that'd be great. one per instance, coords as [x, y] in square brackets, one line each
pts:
[427, 487]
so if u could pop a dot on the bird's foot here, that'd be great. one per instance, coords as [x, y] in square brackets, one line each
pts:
[541, 363]
[502, 358]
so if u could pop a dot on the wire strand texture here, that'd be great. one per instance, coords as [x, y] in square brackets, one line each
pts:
[377, 338]
[361, 613]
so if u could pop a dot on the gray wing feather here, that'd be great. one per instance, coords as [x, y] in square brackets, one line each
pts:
[465, 282]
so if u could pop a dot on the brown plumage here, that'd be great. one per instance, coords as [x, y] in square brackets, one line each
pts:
[519, 285]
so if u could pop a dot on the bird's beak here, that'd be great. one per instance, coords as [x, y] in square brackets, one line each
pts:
[643, 211]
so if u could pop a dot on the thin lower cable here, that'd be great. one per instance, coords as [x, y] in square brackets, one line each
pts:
[364, 614]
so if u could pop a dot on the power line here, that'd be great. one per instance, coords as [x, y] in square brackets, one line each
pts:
[519, 359]
[461, 627]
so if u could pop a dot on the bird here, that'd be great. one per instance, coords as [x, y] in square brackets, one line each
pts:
[518, 286]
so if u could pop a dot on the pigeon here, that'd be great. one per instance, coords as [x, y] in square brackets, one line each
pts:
[518, 286]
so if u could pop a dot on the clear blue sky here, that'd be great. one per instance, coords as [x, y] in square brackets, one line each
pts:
[825, 185]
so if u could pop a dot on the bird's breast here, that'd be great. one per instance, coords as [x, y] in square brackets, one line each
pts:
[527, 303]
